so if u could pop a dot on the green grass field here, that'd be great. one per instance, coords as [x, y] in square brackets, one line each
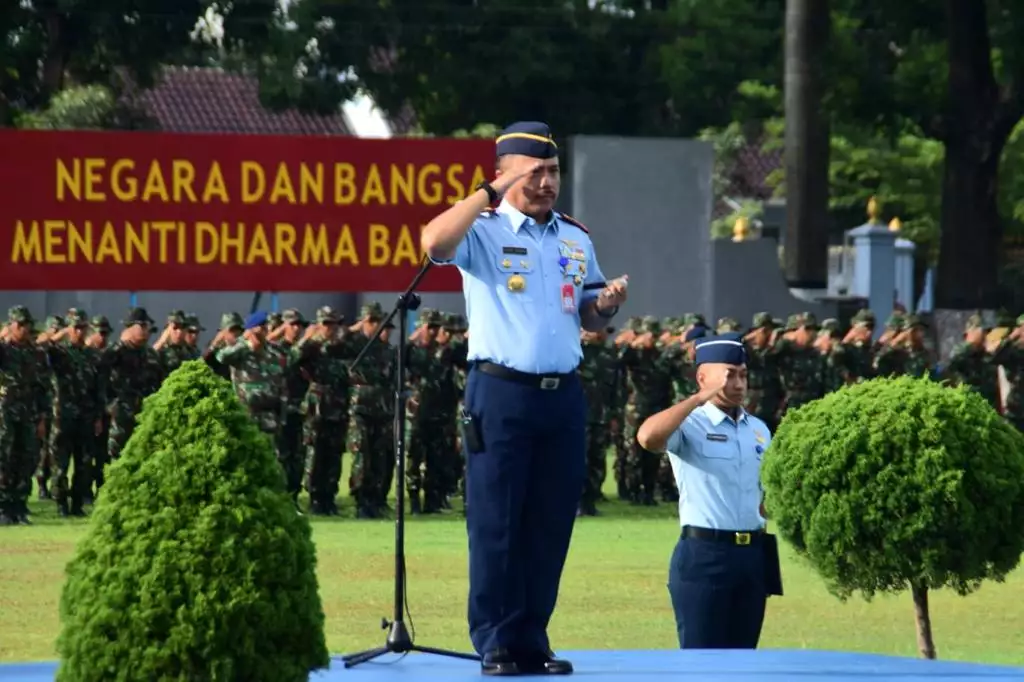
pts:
[613, 592]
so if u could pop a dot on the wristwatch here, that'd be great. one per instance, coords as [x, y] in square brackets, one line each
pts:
[492, 193]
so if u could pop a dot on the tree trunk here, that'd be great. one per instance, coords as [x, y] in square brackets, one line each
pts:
[53, 61]
[977, 123]
[806, 147]
[925, 643]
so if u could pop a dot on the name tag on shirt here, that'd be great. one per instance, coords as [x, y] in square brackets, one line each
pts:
[718, 437]
[568, 298]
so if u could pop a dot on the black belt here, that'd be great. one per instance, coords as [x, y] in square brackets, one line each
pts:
[546, 382]
[732, 537]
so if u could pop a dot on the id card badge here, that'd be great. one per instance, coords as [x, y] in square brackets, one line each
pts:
[568, 298]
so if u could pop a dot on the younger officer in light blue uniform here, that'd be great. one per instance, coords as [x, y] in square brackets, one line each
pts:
[717, 573]
[531, 279]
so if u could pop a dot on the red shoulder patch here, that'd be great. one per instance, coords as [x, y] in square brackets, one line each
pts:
[572, 221]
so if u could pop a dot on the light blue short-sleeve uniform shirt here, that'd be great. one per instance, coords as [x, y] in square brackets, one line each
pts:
[717, 466]
[524, 286]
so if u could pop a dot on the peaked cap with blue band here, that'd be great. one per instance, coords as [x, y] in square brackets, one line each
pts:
[726, 349]
[528, 138]
[257, 319]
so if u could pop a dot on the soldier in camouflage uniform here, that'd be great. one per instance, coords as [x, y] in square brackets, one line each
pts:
[294, 436]
[98, 341]
[854, 359]
[257, 373]
[78, 410]
[323, 355]
[426, 417]
[650, 391]
[764, 386]
[23, 407]
[132, 371]
[597, 374]
[1009, 353]
[371, 414]
[906, 352]
[971, 364]
[454, 351]
[800, 364]
[191, 338]
[274, 321]
[829, 344]
[171, 346]
[617, 422]
[230, 330]
[54, 323]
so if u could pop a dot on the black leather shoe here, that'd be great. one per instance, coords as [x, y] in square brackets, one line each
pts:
[544, 663]
[499, 662]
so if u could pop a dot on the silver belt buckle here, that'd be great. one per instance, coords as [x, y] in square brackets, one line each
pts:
[549, 383]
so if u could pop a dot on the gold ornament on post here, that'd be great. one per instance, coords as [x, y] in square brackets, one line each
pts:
[874, 210]
[895, 224]
[741, 229]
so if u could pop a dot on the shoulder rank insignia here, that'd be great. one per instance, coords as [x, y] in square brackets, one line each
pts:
[572, 221]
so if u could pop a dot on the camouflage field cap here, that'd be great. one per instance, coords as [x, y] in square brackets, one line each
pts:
[864, 317]
[431, 317]
[100, 323]
[293, 316]
[792, 323]
[176, 318]
[55, 322]
[914, 322]
[726, 325]
[192, 323]
[327, 315]
[77, 318]
[137, 316]
[809, 321]
[1020, 320]
[830, 325]
[455, 323]
[372, 312]
[423, 313]
[231, 321]
[274, 320]
[19, 314]
[762, 320]
[670, 324]
[650, 325]
[695, 319]
[634, 324]
[895, 321]
[974, 322]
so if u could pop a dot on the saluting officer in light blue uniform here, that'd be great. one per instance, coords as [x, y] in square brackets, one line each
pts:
[530, 279]
[717, 573]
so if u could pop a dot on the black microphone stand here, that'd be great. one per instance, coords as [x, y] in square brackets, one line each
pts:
[399, 639]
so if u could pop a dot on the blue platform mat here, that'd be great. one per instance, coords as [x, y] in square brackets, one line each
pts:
[648, 666]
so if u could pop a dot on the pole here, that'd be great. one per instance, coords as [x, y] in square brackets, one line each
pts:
[399, 640]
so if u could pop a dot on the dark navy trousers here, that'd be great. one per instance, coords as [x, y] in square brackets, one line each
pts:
[522, 492]
[718, 594]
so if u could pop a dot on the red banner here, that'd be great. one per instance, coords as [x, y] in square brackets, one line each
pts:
[165, 212]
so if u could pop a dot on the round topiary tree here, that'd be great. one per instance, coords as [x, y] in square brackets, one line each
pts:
[896, 483]
[195, 565]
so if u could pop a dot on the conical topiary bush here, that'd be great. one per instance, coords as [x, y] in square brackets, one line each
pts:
[195, 565]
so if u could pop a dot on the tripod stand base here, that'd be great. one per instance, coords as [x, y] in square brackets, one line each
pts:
[399, 641]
